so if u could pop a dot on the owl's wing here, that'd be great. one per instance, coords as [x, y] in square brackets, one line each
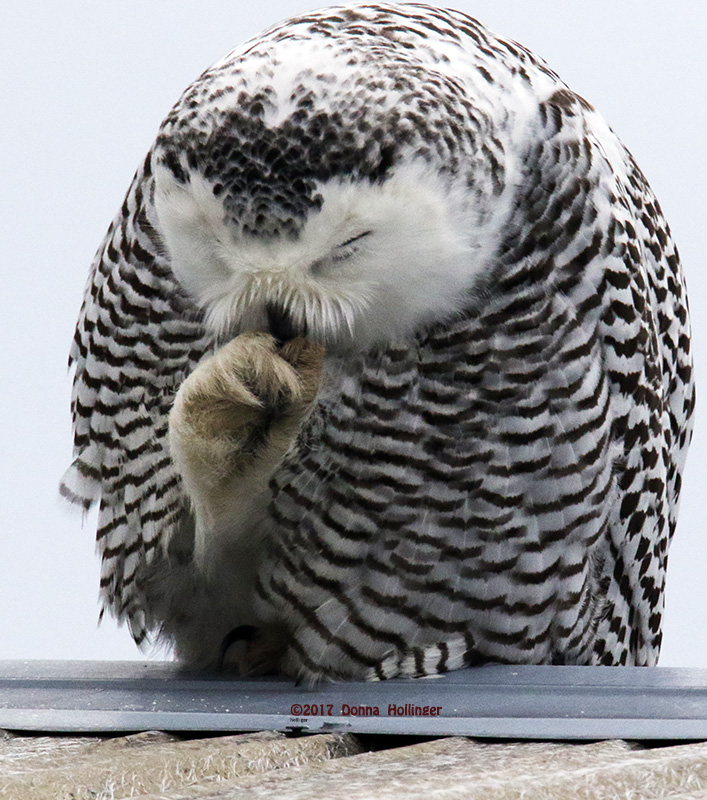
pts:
[138, 336]
[647, 353]
[640, 307]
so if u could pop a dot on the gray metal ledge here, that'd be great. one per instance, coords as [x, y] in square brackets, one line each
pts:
[494, 701]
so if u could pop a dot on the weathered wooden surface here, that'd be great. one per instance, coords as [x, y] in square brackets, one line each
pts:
[45, 768]
[448, 769]
[159, 766]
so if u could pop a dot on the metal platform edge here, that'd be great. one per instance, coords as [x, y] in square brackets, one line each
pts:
[505, 702]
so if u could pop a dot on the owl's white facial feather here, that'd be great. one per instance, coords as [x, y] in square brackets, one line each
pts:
[377, 262]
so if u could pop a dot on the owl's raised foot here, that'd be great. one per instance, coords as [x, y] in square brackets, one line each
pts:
[240, 410]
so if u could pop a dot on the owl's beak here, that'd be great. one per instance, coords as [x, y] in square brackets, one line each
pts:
[281, 324]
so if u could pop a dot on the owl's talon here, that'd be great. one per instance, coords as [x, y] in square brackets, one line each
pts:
[243, 633]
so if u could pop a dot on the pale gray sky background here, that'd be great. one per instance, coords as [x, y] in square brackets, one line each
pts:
[84, 86]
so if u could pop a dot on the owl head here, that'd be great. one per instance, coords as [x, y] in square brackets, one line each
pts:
[322, 203]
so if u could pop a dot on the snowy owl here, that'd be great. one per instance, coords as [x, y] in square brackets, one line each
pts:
[383, 367]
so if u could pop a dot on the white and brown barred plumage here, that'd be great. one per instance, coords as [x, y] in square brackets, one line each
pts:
[487, 465]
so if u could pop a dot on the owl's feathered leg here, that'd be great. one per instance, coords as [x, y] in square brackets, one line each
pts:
[235, 417]
[233, 421]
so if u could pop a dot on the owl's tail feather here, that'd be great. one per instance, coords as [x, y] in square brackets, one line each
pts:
[427, 660]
